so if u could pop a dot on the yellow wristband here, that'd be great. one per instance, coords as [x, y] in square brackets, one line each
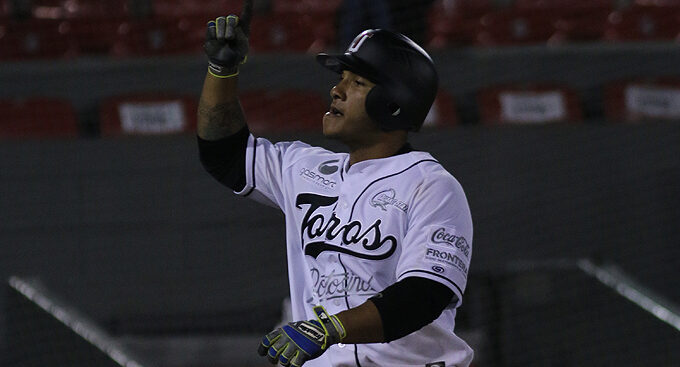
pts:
[223, 76]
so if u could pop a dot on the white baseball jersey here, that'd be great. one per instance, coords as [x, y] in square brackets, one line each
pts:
[353, 231]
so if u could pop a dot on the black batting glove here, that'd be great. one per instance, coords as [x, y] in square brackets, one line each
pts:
[226, 45]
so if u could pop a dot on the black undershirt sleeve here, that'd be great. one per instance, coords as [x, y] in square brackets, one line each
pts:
[408, 305]
[225, 159]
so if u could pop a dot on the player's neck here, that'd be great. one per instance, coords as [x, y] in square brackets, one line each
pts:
[382, 149]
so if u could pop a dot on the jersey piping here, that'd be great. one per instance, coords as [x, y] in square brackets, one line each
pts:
[351, 214]
[433, 274]
[356, 348]
[252, 171]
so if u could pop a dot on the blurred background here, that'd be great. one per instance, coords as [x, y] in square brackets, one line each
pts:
[561, 119]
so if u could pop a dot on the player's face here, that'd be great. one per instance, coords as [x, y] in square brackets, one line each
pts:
[347, 119]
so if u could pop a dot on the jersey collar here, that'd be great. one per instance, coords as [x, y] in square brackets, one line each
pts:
[404, 149]
[403, 158]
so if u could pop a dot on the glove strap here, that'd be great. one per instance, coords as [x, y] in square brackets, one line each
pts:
[220, 72]
[331, 325]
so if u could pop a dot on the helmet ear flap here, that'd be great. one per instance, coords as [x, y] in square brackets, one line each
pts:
[383, 110]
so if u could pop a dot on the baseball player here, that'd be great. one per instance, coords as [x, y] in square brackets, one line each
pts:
[378, 239]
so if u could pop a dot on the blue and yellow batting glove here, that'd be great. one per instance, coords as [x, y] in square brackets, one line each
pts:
[297, 342]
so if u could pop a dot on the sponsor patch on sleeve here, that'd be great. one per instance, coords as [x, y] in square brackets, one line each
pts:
[448, 237]
[443, 258]
[446, 251]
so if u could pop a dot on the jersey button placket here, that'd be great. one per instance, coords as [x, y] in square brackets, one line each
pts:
[342, 202]
[343, 214]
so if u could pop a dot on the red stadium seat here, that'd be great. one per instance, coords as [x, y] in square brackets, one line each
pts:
[284, 110]
[662, 5]
[443, 112]
[514, 28]
[562, 6]
[467, 9]
[97, 8]
[292, 32]
[193, 29]
[583, 27]
[63, 9]
[306, 6]
[643, 24]
[35, 39]
[154, 36]
[48, 9]
[528, 104]
[295, 18]
[5, 10]
[453, 23]
[37, 118]
[147, 114]
[574, 20]
[642, 100]
[94, 36]
[208, 9]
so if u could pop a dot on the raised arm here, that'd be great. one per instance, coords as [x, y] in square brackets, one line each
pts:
[219, 112]
[222, 132]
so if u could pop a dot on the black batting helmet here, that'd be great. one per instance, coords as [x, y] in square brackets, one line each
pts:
[404, 74]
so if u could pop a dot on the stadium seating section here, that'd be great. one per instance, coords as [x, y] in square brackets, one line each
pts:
[205, 9]
[292, 32]
[455, 22]
[55, 29]
[35, 39]
[124, 28]
[4, 9]
[118, 28]
[644, 24]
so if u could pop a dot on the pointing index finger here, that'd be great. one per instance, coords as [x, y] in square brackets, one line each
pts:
[246, 16]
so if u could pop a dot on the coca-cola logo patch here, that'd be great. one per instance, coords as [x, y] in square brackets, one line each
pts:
[448, 236]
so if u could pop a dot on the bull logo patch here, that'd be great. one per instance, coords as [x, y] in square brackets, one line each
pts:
[387, 198]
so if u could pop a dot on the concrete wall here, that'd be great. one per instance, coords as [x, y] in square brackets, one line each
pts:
[133, 226]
